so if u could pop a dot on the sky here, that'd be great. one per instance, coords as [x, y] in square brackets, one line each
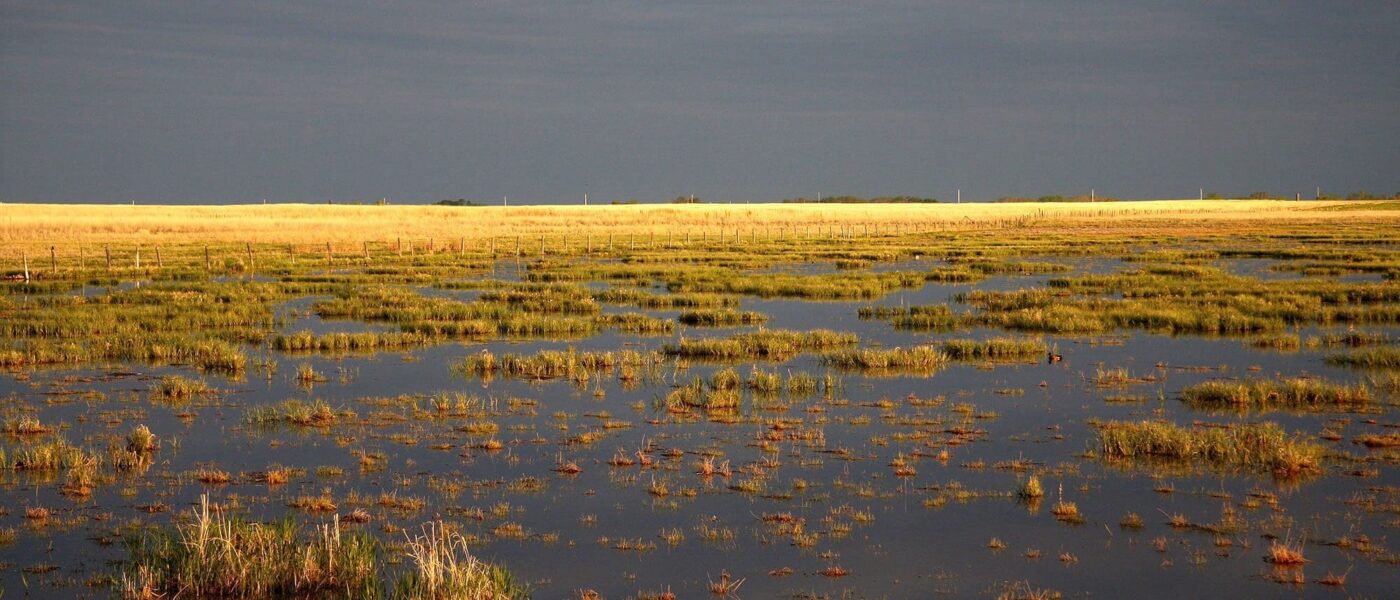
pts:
[344, 101]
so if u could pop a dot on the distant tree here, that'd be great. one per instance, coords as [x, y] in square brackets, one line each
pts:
[1258, 196]
[685, 200]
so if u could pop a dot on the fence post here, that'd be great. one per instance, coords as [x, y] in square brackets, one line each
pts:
[108, 251]
[160, 264]
[53, 260]
[328, 252]
[249, 246]
[25, 255]
[208, 266]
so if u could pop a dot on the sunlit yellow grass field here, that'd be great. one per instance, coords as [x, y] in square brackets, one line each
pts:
[40, 225]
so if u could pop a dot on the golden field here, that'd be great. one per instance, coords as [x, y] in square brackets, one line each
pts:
[30, 226]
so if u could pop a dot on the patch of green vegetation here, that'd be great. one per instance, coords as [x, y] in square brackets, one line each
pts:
[1258, 446]
[1003, 348]
[775, 344]
[217, 556]
[726, 317]
[1292, 393]
[555, 364]
[916, 359]
[1387, 357]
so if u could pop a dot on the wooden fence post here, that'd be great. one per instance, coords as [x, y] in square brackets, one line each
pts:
[53, 260]
[108, 251]
[160, 264]
[251, 267]
[208, 266]
[25, 255]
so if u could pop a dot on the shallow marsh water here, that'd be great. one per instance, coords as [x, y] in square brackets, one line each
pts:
[925, 534]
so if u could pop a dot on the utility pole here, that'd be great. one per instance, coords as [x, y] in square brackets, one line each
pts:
[505, 201]
[1202, 195]
[585, 199]
[1091, 194]
[959, 195]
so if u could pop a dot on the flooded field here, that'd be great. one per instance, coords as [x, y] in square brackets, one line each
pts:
[983, 413]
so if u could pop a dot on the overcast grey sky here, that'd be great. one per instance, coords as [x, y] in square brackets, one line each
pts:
[224, 101]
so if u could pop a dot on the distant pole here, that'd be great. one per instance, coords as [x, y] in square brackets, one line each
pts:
[1202, 194]
[505, 201]
[959, 196]
[585, 199]
[1091, 194]
[1319, 193]
[25, 254]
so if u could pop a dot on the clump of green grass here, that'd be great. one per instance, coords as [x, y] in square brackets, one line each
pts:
[217, 556]
[1387, 357]
[1031, 489]
[306, 341]
[995, 349]
[553, 364]
[25, 426]
[443, 567]
[725, 317]
[50, 455]
[776, 344]
[932, 317]
[1250, 445]
[841, 286]
[1294, 393]
[918, 359]
[295, 412]
[175, 388]
[720, 394]
[636, 323]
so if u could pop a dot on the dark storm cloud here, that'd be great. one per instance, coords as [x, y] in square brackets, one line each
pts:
[234, 102]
